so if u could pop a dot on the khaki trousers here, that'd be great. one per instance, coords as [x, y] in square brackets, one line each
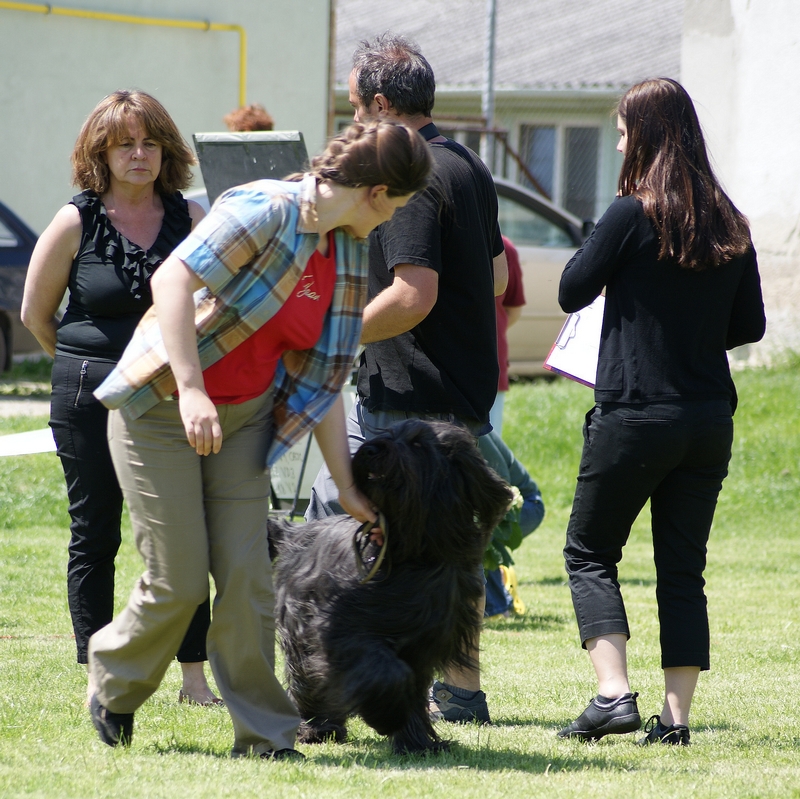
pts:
[193, 514]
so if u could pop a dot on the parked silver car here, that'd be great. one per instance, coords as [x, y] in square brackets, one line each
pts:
[546, 237]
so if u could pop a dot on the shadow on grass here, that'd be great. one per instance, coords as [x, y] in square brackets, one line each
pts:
[174, 747]
[717, 726]
[547, 581]
[638, 582]
[479, 758]
[376, 755]
[529, 622]
[548, 725]
[550, 581]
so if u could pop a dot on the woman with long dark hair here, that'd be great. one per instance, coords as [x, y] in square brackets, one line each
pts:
[682, 286]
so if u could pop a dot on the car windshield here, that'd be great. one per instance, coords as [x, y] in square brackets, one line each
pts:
[526, 228]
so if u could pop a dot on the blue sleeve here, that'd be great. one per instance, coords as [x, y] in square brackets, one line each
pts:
[240, 226]
[500, 457]
[532, 511]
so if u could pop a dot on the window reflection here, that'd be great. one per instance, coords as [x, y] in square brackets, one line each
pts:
[527, 228]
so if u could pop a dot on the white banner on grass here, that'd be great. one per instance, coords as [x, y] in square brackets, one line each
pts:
[28, 443]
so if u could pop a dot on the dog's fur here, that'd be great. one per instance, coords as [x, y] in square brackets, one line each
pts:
[372, 649]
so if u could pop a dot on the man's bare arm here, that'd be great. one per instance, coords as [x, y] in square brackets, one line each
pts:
[500, 265]
[513, 313]
[401, 306]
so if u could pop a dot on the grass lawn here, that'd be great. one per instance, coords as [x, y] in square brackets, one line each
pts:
[745, 720]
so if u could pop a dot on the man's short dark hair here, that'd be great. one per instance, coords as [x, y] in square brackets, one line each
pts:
[394, 67]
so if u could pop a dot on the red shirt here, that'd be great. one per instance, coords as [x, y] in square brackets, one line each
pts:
[513, 297]
[247, 371]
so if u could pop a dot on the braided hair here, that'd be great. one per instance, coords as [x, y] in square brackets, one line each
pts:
[372, 154]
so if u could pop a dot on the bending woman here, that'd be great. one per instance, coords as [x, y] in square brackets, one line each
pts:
[682, 287]
[130, 162]
[255, 325]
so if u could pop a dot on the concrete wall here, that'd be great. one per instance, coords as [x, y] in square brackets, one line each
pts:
[741, 64]
[54, 70]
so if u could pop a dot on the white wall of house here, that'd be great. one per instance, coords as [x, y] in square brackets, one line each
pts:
[514, 110]
[54, 69]
[741, 64]
[564, 114]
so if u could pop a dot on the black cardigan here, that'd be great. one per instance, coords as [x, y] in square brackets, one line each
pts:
[665, 328]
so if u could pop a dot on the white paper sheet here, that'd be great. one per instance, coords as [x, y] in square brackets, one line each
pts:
[575, 352]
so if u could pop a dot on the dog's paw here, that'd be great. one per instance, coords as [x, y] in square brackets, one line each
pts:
[319, 732]
[404, 746]
[418, 737]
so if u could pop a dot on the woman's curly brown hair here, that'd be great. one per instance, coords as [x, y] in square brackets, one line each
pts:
[108, 124]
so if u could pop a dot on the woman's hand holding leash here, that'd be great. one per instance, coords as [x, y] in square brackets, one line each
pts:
[355, 504]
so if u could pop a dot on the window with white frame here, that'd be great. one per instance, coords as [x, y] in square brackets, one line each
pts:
[564, 162]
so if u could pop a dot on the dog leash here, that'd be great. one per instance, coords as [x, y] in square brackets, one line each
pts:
[360, 543]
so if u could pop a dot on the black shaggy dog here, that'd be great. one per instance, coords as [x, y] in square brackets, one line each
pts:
[372, 648]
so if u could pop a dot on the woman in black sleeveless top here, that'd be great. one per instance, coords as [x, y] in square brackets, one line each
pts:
[130, 161]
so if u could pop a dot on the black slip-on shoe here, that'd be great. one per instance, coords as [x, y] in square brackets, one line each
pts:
[113, 728]
[657, 733]
[605, 716]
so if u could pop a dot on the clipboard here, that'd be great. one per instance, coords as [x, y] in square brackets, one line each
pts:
[575, 352]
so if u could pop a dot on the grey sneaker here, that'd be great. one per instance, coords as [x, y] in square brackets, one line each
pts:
[449, 707]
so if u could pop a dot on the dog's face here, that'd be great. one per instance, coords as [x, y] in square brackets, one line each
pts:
[439, 497]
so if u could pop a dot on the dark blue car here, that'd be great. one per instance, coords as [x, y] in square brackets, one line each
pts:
[17, 241]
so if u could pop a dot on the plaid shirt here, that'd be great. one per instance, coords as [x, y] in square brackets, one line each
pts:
[251, 251]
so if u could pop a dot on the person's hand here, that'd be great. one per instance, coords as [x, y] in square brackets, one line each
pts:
[200, 421]
[355, 504]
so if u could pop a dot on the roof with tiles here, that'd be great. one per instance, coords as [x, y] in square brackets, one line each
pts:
[556, 45]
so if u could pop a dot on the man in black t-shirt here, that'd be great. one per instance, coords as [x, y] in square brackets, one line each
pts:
[429, 325]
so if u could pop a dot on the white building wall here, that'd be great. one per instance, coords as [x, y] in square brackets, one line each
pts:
[54, 69]
[741, 65]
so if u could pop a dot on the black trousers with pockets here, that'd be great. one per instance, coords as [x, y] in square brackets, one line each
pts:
[676, 455]
[78, 422]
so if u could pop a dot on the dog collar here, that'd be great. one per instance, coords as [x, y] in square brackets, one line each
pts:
[360, 543]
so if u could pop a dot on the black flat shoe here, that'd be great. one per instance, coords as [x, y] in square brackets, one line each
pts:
[605, 716]
[113, 728]
[676, 735]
